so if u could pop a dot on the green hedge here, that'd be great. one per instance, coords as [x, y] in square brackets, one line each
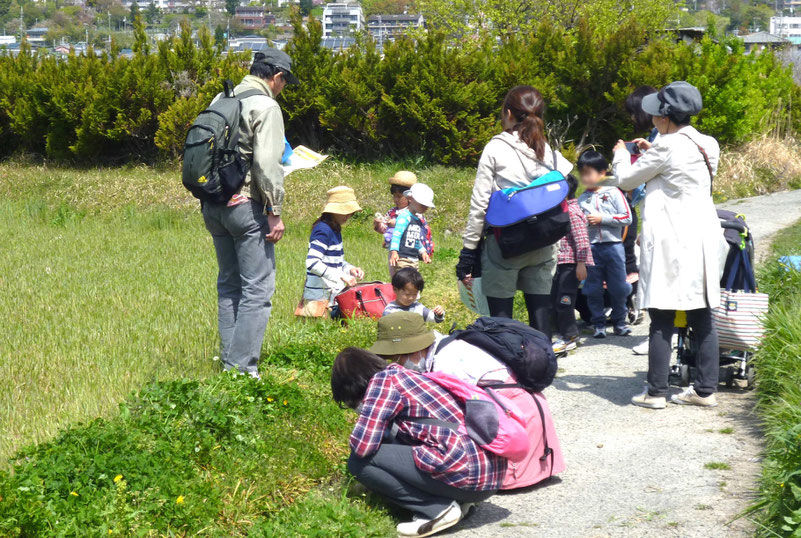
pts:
[421, 97]
[778, 373]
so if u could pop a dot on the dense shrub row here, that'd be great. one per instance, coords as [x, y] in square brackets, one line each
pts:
[779, 395]
[422, 96]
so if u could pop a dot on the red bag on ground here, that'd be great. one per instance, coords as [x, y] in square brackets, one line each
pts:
[365, 300]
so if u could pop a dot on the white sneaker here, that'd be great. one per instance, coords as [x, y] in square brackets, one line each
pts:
[641, 349]
[426, 527]
[651, 402]
[690, 397]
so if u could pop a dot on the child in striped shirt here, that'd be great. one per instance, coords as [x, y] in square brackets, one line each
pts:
[408, 284]
[327, 271]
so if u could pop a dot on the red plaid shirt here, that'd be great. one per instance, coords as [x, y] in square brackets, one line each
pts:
[575, 246]
[448, 456]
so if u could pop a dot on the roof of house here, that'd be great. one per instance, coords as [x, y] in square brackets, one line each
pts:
[392, 18]
[763, 37]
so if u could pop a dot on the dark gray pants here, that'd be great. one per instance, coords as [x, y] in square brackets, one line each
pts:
[245, 282]
[391, 472]
[707, 359]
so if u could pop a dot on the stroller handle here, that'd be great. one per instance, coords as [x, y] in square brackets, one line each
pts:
[740, 227]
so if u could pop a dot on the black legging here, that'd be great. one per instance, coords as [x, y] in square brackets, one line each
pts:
[538, 306]
[707, 360]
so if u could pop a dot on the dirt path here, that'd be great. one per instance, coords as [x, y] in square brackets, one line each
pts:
[682, 471]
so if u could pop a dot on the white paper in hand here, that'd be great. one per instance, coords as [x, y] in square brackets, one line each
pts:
[474, 298]
[301, 158]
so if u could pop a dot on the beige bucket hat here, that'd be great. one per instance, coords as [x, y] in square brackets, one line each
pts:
[401, 333]
[341, 201]
[403, 178]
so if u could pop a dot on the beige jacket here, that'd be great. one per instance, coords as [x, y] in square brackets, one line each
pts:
[681, 241]
[506, 162]
[261, 142]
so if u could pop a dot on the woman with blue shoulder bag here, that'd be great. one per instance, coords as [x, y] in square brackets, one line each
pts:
[514, 161]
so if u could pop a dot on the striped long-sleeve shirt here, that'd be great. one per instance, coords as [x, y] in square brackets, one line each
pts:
[417, 308]
[325, 264]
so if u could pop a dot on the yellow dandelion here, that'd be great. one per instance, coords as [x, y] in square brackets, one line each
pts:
[270, 399]
[110, 531]
[74, 493]
[179, 500]
[285, 402]
[117, 478]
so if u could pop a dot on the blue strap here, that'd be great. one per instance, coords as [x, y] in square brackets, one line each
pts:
[742, 263]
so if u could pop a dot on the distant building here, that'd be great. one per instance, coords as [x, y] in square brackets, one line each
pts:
[389, 27]
[248, 43]
[167, 6]
[787, 27]
[36, 36]
[759, 41]
[342, 19]
[254, 17]
[6, 40]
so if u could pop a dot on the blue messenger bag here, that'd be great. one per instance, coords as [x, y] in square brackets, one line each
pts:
[532, 217]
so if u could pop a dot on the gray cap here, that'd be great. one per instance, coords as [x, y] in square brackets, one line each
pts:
[282, 61]
[677, 98]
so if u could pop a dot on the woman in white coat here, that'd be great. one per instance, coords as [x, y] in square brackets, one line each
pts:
[680, 239]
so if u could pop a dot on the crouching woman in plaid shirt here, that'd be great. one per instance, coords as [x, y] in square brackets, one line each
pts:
[431, 470]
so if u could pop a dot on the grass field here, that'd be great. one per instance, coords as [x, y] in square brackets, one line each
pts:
[107, 282]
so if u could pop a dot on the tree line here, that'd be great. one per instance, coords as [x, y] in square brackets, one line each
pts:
[424, 96]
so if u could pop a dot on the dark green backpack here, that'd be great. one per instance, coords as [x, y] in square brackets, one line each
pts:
[213, 169]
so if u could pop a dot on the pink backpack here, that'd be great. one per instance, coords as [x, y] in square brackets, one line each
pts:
[491, 420]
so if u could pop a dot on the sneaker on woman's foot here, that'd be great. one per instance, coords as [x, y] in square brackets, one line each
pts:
[690, 397]
[651, 402]
[641, 349]
[426, 527]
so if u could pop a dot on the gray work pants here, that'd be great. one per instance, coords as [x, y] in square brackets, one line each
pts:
[391, 472]
[707, 360]
[245, 282]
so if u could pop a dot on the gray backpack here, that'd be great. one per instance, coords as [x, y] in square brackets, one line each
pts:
[213, 169]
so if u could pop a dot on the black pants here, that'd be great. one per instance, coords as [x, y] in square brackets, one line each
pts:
[707, 359]
[391, 472]
[538, 306]
[563, 298]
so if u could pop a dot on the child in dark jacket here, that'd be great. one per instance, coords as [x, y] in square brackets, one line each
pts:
[575, 255]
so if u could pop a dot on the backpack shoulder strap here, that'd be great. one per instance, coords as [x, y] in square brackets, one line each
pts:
[248, 93]
[548, 451]
[706, 160]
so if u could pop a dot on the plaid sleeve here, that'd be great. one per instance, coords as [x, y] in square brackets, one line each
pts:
[427, 240]
[381, 404]
[581, 238]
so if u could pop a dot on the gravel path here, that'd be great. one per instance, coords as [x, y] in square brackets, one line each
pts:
[638, 472]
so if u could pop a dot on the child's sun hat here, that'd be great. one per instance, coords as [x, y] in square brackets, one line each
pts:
[341, 201]
[403, 178]
[422, 194]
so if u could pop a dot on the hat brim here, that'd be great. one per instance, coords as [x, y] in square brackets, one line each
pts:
[401, 182]
[342, 208]
[290, 78]
[402, 346]
[651, 105]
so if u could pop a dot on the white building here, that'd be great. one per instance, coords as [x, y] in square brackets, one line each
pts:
[388, 27]
[342, 18]
[787, 27]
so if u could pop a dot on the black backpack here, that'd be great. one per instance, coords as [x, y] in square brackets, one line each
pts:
[213, 169]
[526, 351]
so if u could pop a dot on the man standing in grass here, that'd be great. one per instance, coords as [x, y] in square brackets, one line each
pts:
[246, 229]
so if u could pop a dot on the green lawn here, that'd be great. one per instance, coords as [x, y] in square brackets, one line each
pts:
[107, 282]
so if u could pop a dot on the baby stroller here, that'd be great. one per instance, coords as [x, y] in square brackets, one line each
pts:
[736, 367]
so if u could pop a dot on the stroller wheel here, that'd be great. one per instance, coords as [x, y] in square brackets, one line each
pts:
[684, 374]
[729, 377]
[750, 375]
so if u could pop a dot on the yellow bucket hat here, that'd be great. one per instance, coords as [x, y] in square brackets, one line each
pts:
[341, 201]
[403, 179]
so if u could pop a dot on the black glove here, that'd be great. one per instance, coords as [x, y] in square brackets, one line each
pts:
[469, 263]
